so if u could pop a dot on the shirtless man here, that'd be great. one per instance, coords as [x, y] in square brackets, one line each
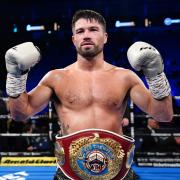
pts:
[89, 93]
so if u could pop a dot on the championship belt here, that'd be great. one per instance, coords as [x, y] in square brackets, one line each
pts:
[94, 154]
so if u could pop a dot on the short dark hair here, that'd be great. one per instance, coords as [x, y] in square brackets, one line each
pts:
[90, 15]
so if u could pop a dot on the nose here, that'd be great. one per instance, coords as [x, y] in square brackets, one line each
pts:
[86, 35]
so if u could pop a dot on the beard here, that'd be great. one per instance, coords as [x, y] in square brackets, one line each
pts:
[89, 52]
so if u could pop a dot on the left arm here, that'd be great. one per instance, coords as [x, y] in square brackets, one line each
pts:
[156, 101]
[161, 109]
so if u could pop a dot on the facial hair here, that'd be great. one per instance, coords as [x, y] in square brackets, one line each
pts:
[89, 52]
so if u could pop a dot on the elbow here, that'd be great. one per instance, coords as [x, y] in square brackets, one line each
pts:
[18, 117]
[164, 112]
[169, 111]
[170, 117]
[18, 113]
[166, 117]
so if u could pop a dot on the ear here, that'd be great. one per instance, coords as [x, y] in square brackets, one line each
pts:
[105, 37]
[73, 39]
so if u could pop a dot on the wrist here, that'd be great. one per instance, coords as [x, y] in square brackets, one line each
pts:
[16, 85]
[159, 86]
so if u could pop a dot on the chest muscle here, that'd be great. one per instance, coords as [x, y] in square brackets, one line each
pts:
[87, 91]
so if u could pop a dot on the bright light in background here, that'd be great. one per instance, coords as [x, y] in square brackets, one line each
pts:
[15, 28]
[34, 28]
[169, 21]
[56, 26]
[124, 24]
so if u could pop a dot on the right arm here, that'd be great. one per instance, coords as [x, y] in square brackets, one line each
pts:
[28, 104]
[19, 60]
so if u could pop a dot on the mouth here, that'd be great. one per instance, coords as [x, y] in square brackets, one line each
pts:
[87, 44]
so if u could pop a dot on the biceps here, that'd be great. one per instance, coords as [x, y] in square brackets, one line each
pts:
[39, 98]
[141, 97]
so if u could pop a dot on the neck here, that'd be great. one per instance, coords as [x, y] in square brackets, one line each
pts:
[90, 64]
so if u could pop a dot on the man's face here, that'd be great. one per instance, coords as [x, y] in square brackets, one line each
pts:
[88, 37]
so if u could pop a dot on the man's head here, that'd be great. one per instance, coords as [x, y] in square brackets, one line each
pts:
[88, 15]
[153, 123]
[89, 33]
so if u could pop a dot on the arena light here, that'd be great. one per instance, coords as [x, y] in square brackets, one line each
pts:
[124, 24]
[34, 28]
[169, 21]
[56, 26]
[15, 29]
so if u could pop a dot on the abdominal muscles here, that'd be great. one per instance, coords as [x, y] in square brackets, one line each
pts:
[88, 118]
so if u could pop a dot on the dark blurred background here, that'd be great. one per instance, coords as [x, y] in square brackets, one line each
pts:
[55, 41]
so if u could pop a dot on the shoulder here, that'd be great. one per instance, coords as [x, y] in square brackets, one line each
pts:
[54, 73]
[57, 73]
[116, 69]
[128, 75]
[123, 72]
[54, 76]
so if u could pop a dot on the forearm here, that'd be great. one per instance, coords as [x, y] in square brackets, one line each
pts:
[161, 110]
[161, 98]
[19, 107]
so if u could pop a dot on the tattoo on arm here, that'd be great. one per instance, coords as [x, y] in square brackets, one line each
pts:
[64, 128]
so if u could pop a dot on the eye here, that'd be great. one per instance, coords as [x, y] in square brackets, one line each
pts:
[94, 29]
[79, 31]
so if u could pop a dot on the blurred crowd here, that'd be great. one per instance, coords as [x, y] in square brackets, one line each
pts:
[158, 137]
[145, 132]
[18, 142]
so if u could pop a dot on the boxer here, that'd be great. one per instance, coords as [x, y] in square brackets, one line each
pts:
[89, 95]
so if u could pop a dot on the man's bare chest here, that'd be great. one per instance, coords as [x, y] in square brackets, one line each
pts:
[85, 92]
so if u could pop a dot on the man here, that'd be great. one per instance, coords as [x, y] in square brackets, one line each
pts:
[158, 143]
[90, 93]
